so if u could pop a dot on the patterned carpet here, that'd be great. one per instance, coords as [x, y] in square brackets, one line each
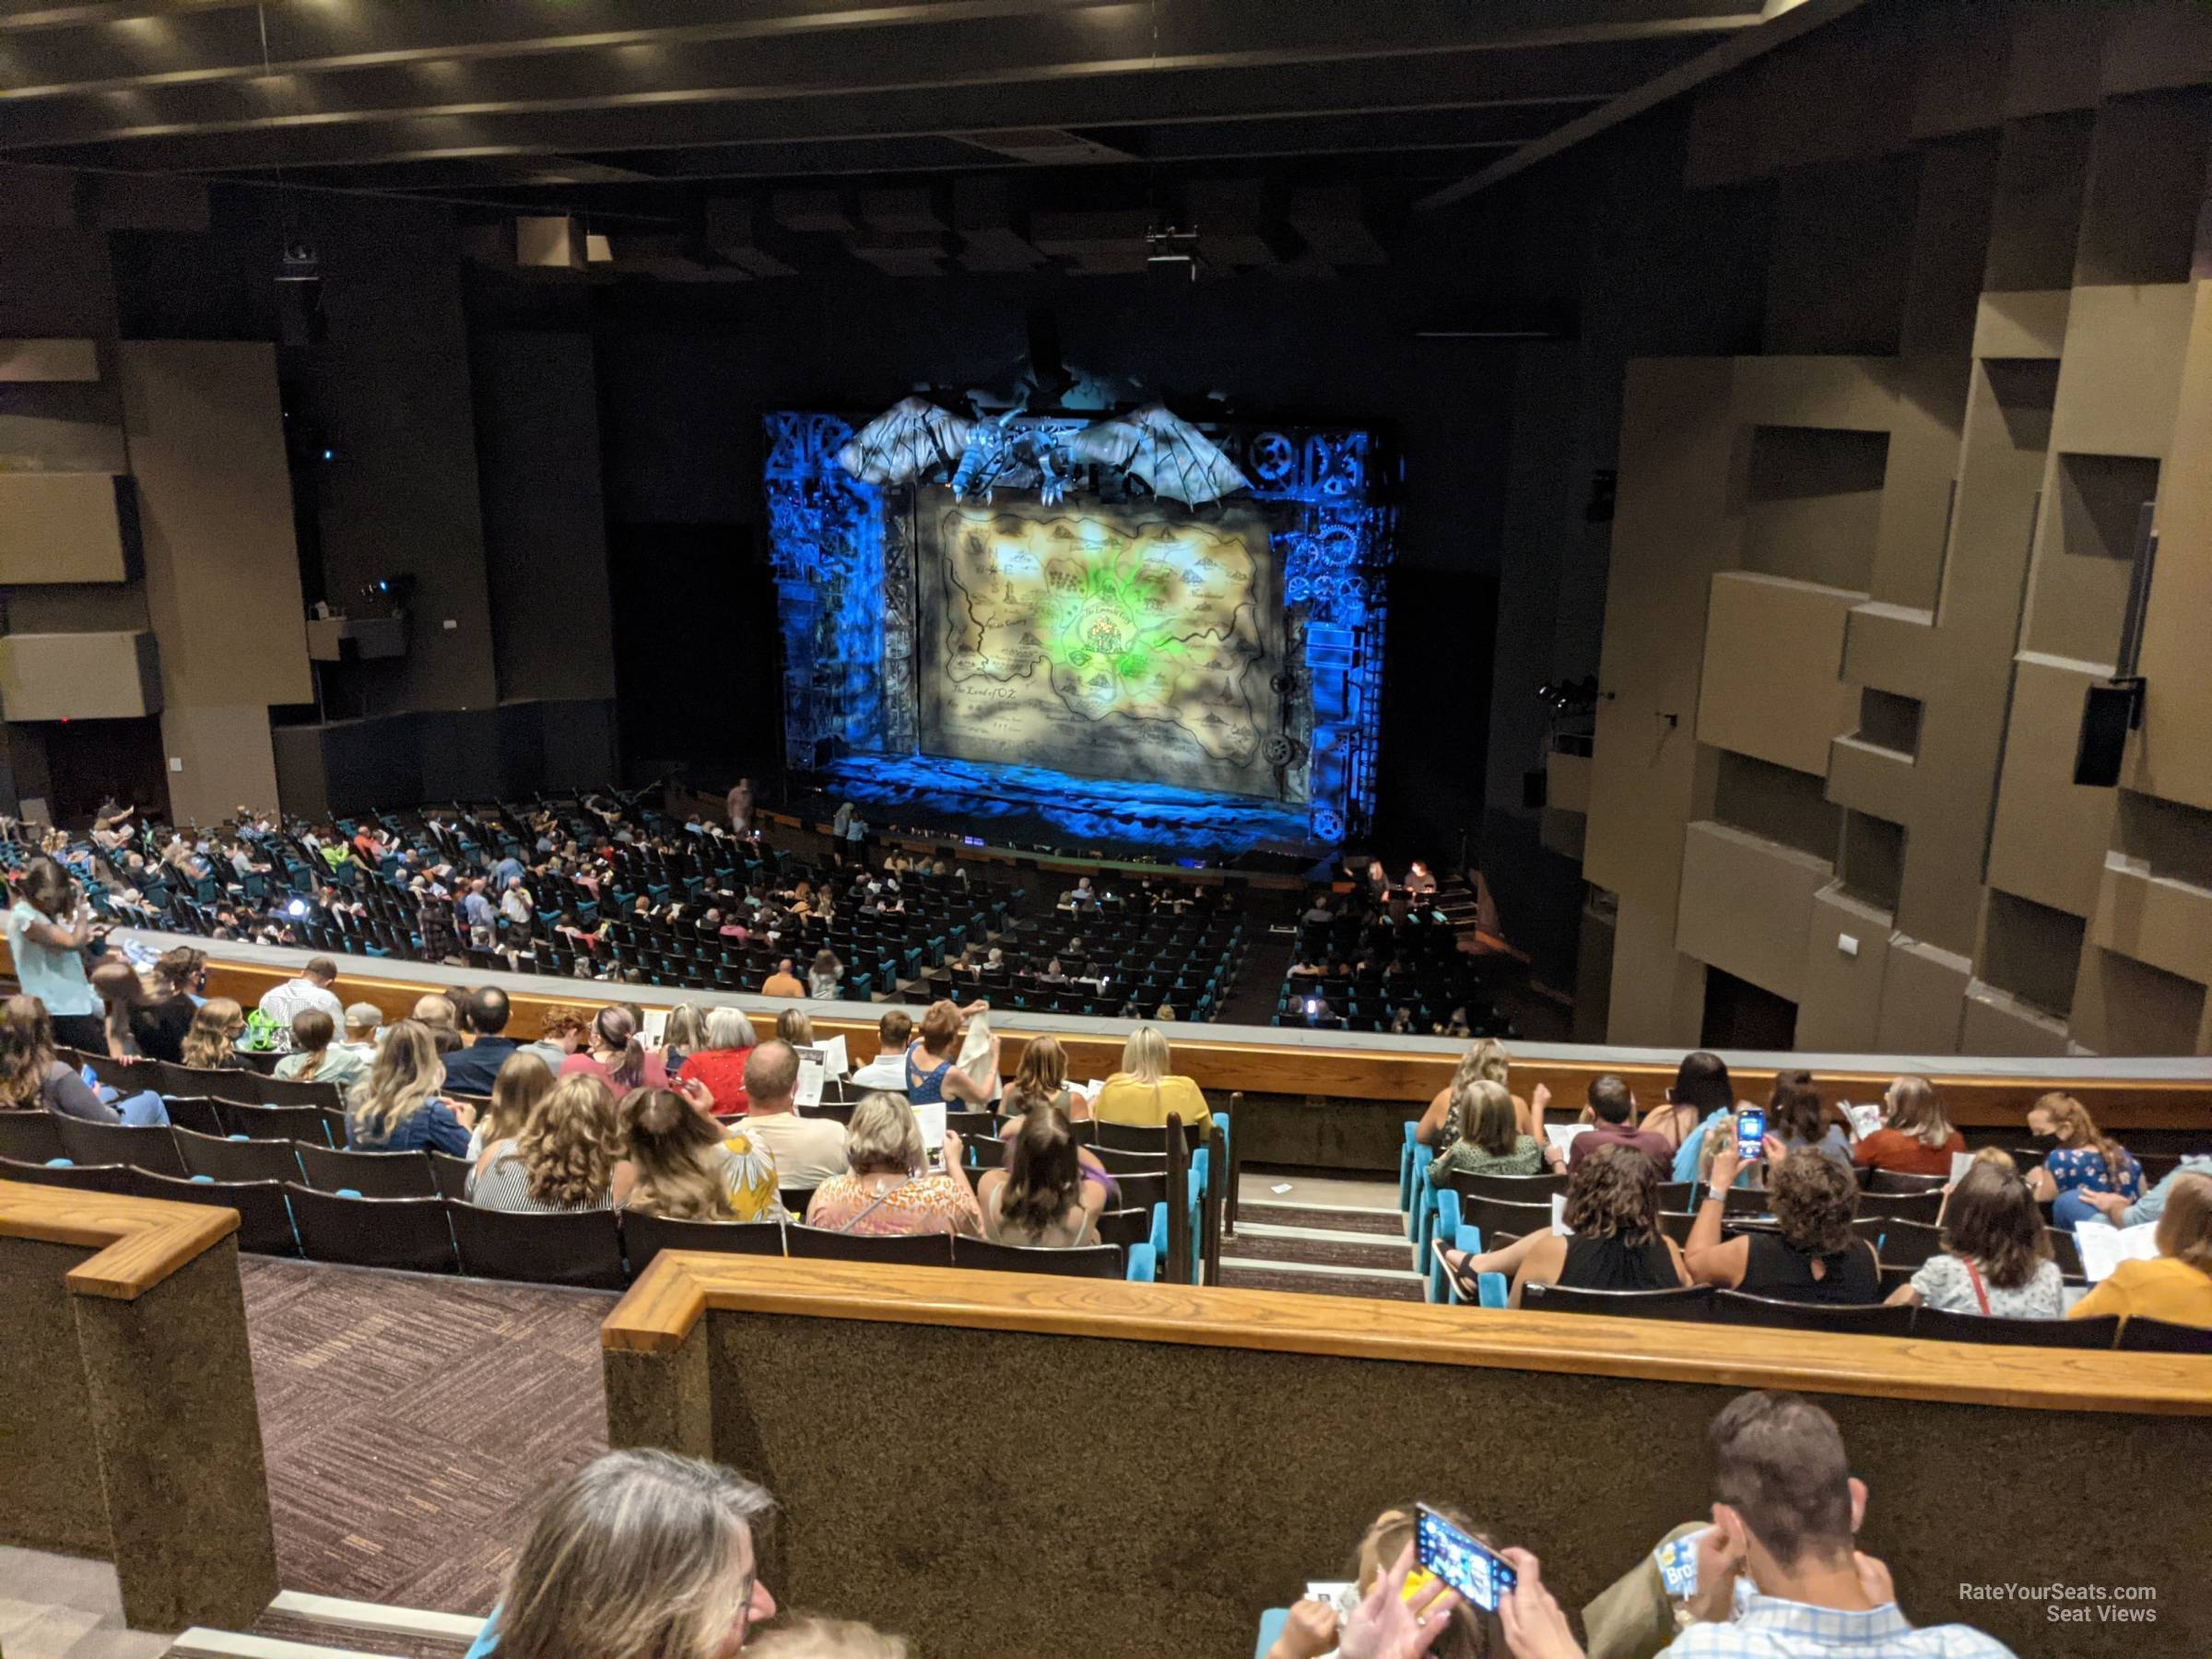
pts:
[410, 1423]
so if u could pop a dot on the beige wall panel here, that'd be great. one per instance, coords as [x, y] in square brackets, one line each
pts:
[222, 569]
[1774, 650]
[1677, 520]
[1870, 779]
[60, 528]
[2120, 382]
[1567, 784]
[229, 761]
[49, 360]
[1839, 1001]
[2124, 1006]
[2155, 919]
[1658, 994]
[1927, 412]
[1563, 832]
[2024, 322]
[2172, 756]
[2156, 44]
[2048, 839]
[1924, 998]
[1997, 1023]
[78, 676]
[1890, 647]
[1746, 906]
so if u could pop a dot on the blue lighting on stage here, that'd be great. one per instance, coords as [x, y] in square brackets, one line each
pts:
[844, 552]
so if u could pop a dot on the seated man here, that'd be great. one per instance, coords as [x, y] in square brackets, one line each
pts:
[1613, 1116]
[1785, 1516]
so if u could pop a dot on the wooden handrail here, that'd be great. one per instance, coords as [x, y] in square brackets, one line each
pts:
[663, 1307]
[141, 1241]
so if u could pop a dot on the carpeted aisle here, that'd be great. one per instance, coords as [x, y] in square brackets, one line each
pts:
[409, 1423]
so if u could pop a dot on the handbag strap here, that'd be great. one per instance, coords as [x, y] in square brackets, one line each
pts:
[872, 1205]
[1973, 1275]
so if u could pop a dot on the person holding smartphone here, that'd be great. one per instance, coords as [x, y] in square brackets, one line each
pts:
[1316, 1628]
[50, 934]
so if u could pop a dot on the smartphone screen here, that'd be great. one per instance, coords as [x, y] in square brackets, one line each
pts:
[1463, 1561]
[1750, 1132]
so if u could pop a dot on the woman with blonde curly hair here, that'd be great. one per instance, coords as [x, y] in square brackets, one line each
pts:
[685, 1167]
[398, 1108]
[1613, 1214]
[217, 1024]
[1488, 1140]
[564, 1160]
[1486, 1061]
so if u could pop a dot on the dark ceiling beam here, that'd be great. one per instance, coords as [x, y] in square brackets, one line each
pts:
[1784, 21]
[1064, 95]
[25, 16]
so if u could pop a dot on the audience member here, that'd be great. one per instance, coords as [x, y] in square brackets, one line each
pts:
[1785, 1520]
[1041, 1197]
[396, 1108]
[1146, 1089]
[471, 1070]
[364, 1022]
[1702, 1092]
[1041, 1079]
[564, 1159]
[50, 932]
[217, 1024]
[2152, 1204]
[795, 1025]
[1612, 1216]
[2085, 1160]
[2176, 1285]
[561, 1032]
[639, 1555]
[1798, 1117]
[933, 1072]
[1812, 1255]
[1486, 1059]
[727, 1040]
[523, 1081]
[888, 1188]
[1611, 1115]
[33, 1077]
[615, 1056]
[318, 1057]
[163, 1014]
[782, 981]
[808, 1151]
[825, 976]
[1997, 1255]
[1916, 1137]
[182, 971]
[1311, 1630]
[826, 1638]
[1488, 1142]
[122, 999]
[687, 1167]
[684, 1035]
[311, 990]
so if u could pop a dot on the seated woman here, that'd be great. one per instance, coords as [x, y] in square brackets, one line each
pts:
[1488, 1143]
[34, 1079]
[683, 1036]
[1315, 1628]
[1798, 1117]
[887, 1187]
[564, 1160]
[1916, 1137]
[1997, 1255]
[720, 1064]
[615, 1055]
[1701, 1090]
[638, 1554]
[825, 975]
[1812, 1256]
[2175, 1285]
[931, 1075]
[1486, 1059]
[1146, 1090]
[1613, 1211]
[396, 1108]
[318, 1056]
[685, 1167]
[1040, 1197]
[523, 1080]
[217, 1024]
[793, 1026]
[2086, 1160]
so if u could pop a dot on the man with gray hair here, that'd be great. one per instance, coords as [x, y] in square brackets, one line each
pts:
[808, 1151]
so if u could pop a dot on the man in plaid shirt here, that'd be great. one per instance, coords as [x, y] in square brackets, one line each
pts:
[1786, 1513]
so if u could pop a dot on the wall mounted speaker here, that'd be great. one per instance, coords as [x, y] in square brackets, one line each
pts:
[2108, 713]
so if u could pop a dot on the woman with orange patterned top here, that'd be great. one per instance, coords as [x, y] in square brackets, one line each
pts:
[888, 1188]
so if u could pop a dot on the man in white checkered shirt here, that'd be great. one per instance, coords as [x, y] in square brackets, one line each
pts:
[1786, 1513]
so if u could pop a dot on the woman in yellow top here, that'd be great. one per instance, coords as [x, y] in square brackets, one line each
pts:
[1144, 1091]
[2176, 1285]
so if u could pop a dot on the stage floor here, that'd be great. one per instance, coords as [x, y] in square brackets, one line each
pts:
[1033, 806]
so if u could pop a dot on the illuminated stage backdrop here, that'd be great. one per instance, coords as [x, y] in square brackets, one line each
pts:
[1234, 652]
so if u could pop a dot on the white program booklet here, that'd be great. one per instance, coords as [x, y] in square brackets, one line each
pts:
[1864, 1120]
[975, 1055]
[1961, 1163]
[1559, 1216]
[812, 1075]
[2105, 1247]
[930, 1114]
[834, 1059]
[656, 1027]
[1562, 1135]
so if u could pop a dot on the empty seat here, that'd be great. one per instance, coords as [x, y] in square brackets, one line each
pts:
[1134, 1138]
[1872, 1319]
[451, 1175]
[1691, 1301]
[372, 1174]
[196, 1113]
[1923, 1208]
[2164, 1337]
[302, 1124]
[1513, 1189]
[1896, 1180]
[290, 1091]
[909, 1250]
[1900, 1243]
[577, 1247]
[30, 1137]
[265, 1219]
[410, 1233]
[88, 1178]
[223, 1159]
[646, 1236]
[143, 1147]
[1090, 1261]
[2017, 1333]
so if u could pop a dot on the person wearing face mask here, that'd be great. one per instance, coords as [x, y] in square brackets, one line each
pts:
[1779, 1575]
